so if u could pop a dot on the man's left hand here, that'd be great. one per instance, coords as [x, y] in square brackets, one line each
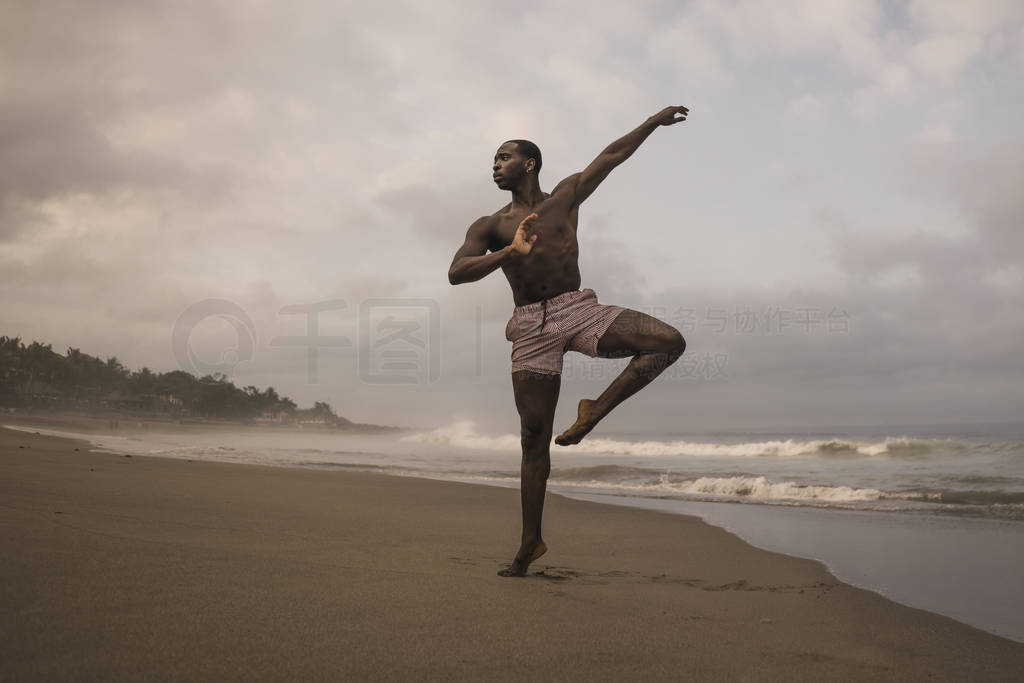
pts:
[670, 115]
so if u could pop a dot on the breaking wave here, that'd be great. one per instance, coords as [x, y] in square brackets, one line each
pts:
[463, 435]
[642, 482]
[753, 488]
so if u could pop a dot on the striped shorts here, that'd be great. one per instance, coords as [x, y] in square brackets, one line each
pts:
[543, 331]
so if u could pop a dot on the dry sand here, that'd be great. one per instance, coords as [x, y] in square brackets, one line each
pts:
[139, 568]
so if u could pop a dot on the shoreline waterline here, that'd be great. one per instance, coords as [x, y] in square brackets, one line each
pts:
[964, 568]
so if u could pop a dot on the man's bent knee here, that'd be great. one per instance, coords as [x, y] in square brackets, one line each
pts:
[676, 344]
[671, 343]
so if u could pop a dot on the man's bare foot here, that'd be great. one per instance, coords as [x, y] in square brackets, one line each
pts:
[586, 419]
[519, 564]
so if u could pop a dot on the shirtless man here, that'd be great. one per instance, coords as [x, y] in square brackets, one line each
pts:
[533, 241]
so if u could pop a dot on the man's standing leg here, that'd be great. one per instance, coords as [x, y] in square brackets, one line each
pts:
[654, 346]
[536, 396]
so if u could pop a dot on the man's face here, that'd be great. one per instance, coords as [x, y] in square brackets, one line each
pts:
[509, 166]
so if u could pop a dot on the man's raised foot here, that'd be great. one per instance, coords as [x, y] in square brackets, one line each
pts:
[587, 418]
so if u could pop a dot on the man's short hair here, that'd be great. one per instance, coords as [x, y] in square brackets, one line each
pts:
[530, 151]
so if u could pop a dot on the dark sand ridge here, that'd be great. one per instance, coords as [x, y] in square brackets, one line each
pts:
[148, 568]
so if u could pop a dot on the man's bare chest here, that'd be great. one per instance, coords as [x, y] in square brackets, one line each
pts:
[551, 226]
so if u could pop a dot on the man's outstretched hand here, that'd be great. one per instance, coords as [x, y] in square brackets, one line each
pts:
[521, 244]
[670, 115]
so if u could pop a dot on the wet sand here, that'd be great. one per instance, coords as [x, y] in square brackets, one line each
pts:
[148, 568]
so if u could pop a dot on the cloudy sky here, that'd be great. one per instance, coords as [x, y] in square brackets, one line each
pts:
[837, 229]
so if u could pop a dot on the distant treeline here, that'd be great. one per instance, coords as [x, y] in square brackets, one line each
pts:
[37, 376]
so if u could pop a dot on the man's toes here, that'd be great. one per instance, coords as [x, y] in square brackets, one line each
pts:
[571, 436]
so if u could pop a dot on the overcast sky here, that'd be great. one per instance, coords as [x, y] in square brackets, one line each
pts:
[838, 229]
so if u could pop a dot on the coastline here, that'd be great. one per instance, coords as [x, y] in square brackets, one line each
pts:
[168, 568]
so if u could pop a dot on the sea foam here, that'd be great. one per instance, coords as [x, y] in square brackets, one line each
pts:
[463, 435]
[717, 488]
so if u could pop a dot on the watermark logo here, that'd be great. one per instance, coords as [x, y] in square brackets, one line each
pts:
[770, 320]
[399, 341]
[703, 366]
[181, 338]
[313, 340]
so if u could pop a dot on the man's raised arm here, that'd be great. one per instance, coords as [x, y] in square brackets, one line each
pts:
[472, 261]
[622, 149]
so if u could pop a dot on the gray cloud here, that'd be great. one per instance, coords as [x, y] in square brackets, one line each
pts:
[48, 153]
[156, 154]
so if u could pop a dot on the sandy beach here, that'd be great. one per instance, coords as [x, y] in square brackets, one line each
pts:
[147, 568]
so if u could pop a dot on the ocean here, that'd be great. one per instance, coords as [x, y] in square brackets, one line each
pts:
[930, 517]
